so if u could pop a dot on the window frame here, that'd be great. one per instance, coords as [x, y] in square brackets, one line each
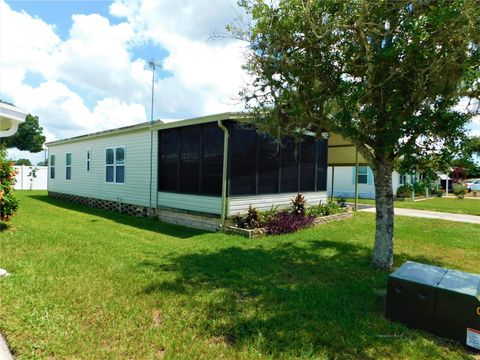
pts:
[115, 165]
[68, 166]
[360, 168]
[88, 160]
[52, 167]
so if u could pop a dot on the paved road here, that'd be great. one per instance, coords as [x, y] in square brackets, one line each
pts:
[473, 219]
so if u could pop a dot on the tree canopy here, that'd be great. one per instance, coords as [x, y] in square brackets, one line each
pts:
[25, 162]
[387, 75]
[29, 136]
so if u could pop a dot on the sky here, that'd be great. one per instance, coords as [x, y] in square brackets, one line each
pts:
[82, 66]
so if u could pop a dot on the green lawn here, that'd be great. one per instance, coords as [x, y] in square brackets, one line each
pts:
[451, 205]
[92, 284]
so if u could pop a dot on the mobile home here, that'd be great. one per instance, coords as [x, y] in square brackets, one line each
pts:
[194, 172]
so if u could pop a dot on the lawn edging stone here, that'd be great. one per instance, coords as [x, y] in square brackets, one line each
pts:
[330, 218]
[248, 233]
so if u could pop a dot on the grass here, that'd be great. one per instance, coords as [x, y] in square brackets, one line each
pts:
[93, 284]
[452, 205]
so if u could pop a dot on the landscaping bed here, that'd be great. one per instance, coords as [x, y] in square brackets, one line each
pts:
[255, 223]
[261, 232]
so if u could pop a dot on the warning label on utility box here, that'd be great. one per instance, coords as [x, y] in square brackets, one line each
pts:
[473, 338]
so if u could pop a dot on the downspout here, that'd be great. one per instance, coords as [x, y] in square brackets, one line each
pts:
[333, 184]
[223, 213]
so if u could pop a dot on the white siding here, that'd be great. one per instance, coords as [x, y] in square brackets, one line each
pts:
[134, 191]
[201, 203]
[239, 204]
[26, 182]
[344, 185]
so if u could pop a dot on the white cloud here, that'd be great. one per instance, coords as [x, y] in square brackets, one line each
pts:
[26, 43]
[90, 80]
[206, 73]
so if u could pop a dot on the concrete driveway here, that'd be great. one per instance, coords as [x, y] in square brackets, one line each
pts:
[472, 219]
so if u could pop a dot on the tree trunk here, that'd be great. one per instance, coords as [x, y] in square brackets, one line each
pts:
[383, 249]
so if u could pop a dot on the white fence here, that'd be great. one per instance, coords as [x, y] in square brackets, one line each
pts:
[30, 179]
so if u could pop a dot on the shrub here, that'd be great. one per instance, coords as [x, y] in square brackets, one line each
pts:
[268, 215]
[251, 220]
[459, 190]
[286, 222]
[404, 191]
[299, 205]
[437, 192]
[325, 209]
[8, 203]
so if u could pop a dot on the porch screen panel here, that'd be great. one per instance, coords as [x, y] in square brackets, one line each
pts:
[168, 174]
[243, 160]
[322, 159]
[268, 164]
[289, 166]
[307, 164]
[212, 159]
[190, 159]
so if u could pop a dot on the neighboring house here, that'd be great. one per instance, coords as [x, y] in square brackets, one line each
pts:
[31, 177]
[344, 182]
[194, 172]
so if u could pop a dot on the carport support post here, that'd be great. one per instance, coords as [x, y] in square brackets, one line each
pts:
[333, 182]
[356, 180]
[224, 210]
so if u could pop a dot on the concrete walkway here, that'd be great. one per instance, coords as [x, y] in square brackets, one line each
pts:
[473, 219]
[4, 352]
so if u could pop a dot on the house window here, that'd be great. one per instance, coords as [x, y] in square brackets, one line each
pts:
[88, 159]
[115, 165]
[362, 174]
[68, 166]
[52, 166]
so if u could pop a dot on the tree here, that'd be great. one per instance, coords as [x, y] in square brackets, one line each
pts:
[29, 136]
[25, 162]
[472, 146]
[384, 74]
[466, 159]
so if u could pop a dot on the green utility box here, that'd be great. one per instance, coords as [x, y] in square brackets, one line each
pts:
[442, 301]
